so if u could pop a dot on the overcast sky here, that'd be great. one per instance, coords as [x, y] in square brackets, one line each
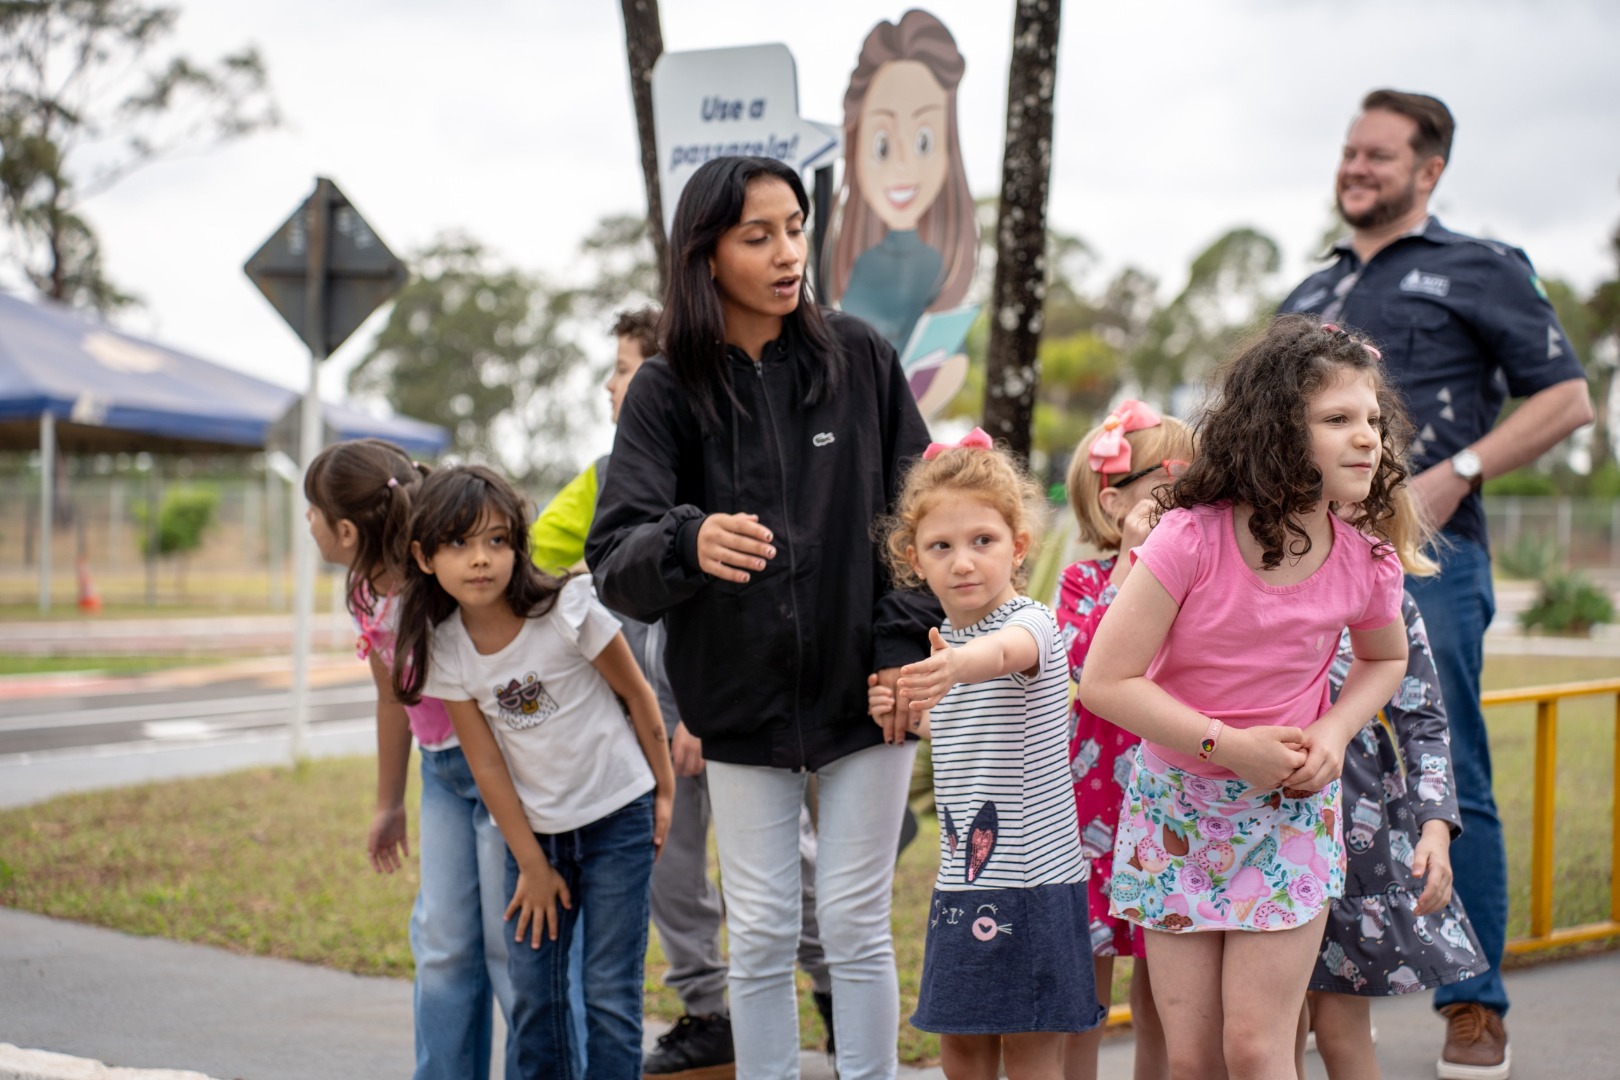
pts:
[511, 119]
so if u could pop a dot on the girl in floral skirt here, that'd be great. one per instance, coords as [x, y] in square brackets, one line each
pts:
[1229, 847]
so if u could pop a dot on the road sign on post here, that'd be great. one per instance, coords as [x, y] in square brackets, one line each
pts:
[324, 270]
[360, 272]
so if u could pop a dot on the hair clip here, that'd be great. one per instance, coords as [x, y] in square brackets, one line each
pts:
[977, 439]
[393, 482]
[1372, 350]
[1110, 451]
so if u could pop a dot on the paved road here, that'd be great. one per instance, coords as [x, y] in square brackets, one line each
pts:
[79, 734]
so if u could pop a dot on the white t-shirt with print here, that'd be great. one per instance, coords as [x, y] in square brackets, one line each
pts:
[568, 744]
[1001, 767]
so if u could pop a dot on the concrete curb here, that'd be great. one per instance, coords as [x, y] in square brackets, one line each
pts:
[17, 1063]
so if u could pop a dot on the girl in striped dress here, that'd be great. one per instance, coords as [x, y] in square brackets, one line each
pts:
[1005, 971]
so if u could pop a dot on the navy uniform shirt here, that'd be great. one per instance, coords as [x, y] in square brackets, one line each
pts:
[1463, 324]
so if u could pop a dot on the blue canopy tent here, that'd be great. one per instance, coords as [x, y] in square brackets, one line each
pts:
[69, 382]
[107, 390]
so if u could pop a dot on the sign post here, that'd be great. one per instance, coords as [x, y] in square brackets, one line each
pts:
[324, 271]
[719, 102]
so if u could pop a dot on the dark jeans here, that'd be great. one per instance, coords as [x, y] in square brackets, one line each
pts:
[1457, 606]
[607, 866]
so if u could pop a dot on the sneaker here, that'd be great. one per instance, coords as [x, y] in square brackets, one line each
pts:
[824, 1007]
[696, 1048]
[1476, 1044]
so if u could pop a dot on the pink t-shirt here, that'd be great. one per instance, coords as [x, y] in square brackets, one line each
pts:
[1249, 653]
[430, 721]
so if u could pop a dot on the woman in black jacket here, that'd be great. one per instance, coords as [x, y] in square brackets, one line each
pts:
[750, 461]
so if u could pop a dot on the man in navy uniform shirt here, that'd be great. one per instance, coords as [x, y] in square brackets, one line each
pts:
[1463, 323]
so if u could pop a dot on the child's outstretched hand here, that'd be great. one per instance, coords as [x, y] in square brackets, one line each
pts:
[926, 682]
[1431, 861]
[1264, 756]
[535, 901]
[387, 845]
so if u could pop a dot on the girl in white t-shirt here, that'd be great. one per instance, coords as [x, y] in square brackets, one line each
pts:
[1230, 846]
[533, 670]
[359, 495]
[1005, 967]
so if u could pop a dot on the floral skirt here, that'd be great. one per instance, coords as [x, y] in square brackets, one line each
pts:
[1192, 853]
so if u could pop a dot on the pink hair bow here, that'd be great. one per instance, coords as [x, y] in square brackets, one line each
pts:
[976, 439]
[1111, 451]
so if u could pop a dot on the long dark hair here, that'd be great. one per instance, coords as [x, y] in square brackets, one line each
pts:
[1254, 440]
[450, 505]
[369, 482]
[693, 329]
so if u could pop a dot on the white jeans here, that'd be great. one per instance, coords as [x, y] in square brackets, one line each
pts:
[756, 823]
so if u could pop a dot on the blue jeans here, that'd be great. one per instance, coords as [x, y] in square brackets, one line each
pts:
[607, 866]
[457, 935]
[756, 827]
[1457, 606]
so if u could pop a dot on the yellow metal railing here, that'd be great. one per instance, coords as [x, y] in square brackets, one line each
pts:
[1546, 698]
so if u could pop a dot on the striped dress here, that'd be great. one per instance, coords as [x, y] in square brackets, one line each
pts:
[1008, 948]
[1001, 767]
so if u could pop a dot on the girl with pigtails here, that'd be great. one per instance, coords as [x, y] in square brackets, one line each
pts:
[360, 497]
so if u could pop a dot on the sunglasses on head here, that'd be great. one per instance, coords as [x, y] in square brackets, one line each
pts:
[1172, 467]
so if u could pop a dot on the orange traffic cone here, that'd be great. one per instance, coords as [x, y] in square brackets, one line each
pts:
[89, 602]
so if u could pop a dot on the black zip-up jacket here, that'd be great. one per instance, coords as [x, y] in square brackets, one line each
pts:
[771, 672]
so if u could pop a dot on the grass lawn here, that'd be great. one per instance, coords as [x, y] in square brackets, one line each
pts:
[111, 665]
[272, 862]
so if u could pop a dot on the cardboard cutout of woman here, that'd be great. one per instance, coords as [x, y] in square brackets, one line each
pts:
[907, 238]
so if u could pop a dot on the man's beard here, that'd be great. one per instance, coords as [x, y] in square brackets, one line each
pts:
[1383, 211]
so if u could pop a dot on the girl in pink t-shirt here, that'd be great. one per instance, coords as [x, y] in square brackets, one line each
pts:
[1229, 848]
[1116, 472]
[360, 495]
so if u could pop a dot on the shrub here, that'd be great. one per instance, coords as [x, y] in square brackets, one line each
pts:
[1531, 558]
[1521, 482]
[1568, 604]
[184, 515]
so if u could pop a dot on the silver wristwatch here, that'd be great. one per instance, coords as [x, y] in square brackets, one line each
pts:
[1466, 464]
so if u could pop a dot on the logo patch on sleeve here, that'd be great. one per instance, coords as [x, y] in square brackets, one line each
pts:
[825, 438]
[1431, 284]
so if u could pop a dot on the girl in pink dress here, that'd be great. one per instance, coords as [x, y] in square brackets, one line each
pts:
[1116, 472]
[1230, 844]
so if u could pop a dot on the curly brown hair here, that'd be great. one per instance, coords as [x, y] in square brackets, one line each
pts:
[994, 477]
[1254, 441]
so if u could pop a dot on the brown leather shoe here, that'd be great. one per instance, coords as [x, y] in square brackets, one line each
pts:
[1476, 1044]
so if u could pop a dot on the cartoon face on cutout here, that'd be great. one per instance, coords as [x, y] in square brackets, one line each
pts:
[901, 158]
[905, 239]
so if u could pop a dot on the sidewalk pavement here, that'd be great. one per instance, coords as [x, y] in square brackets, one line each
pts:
[73, 996]
[88, 995]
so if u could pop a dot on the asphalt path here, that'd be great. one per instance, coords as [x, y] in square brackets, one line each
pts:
[80, 741]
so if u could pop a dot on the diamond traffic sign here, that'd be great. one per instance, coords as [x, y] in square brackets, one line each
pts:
[326, 238]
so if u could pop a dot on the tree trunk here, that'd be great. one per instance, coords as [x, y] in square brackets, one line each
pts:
[643, 45]
[1012, 371]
